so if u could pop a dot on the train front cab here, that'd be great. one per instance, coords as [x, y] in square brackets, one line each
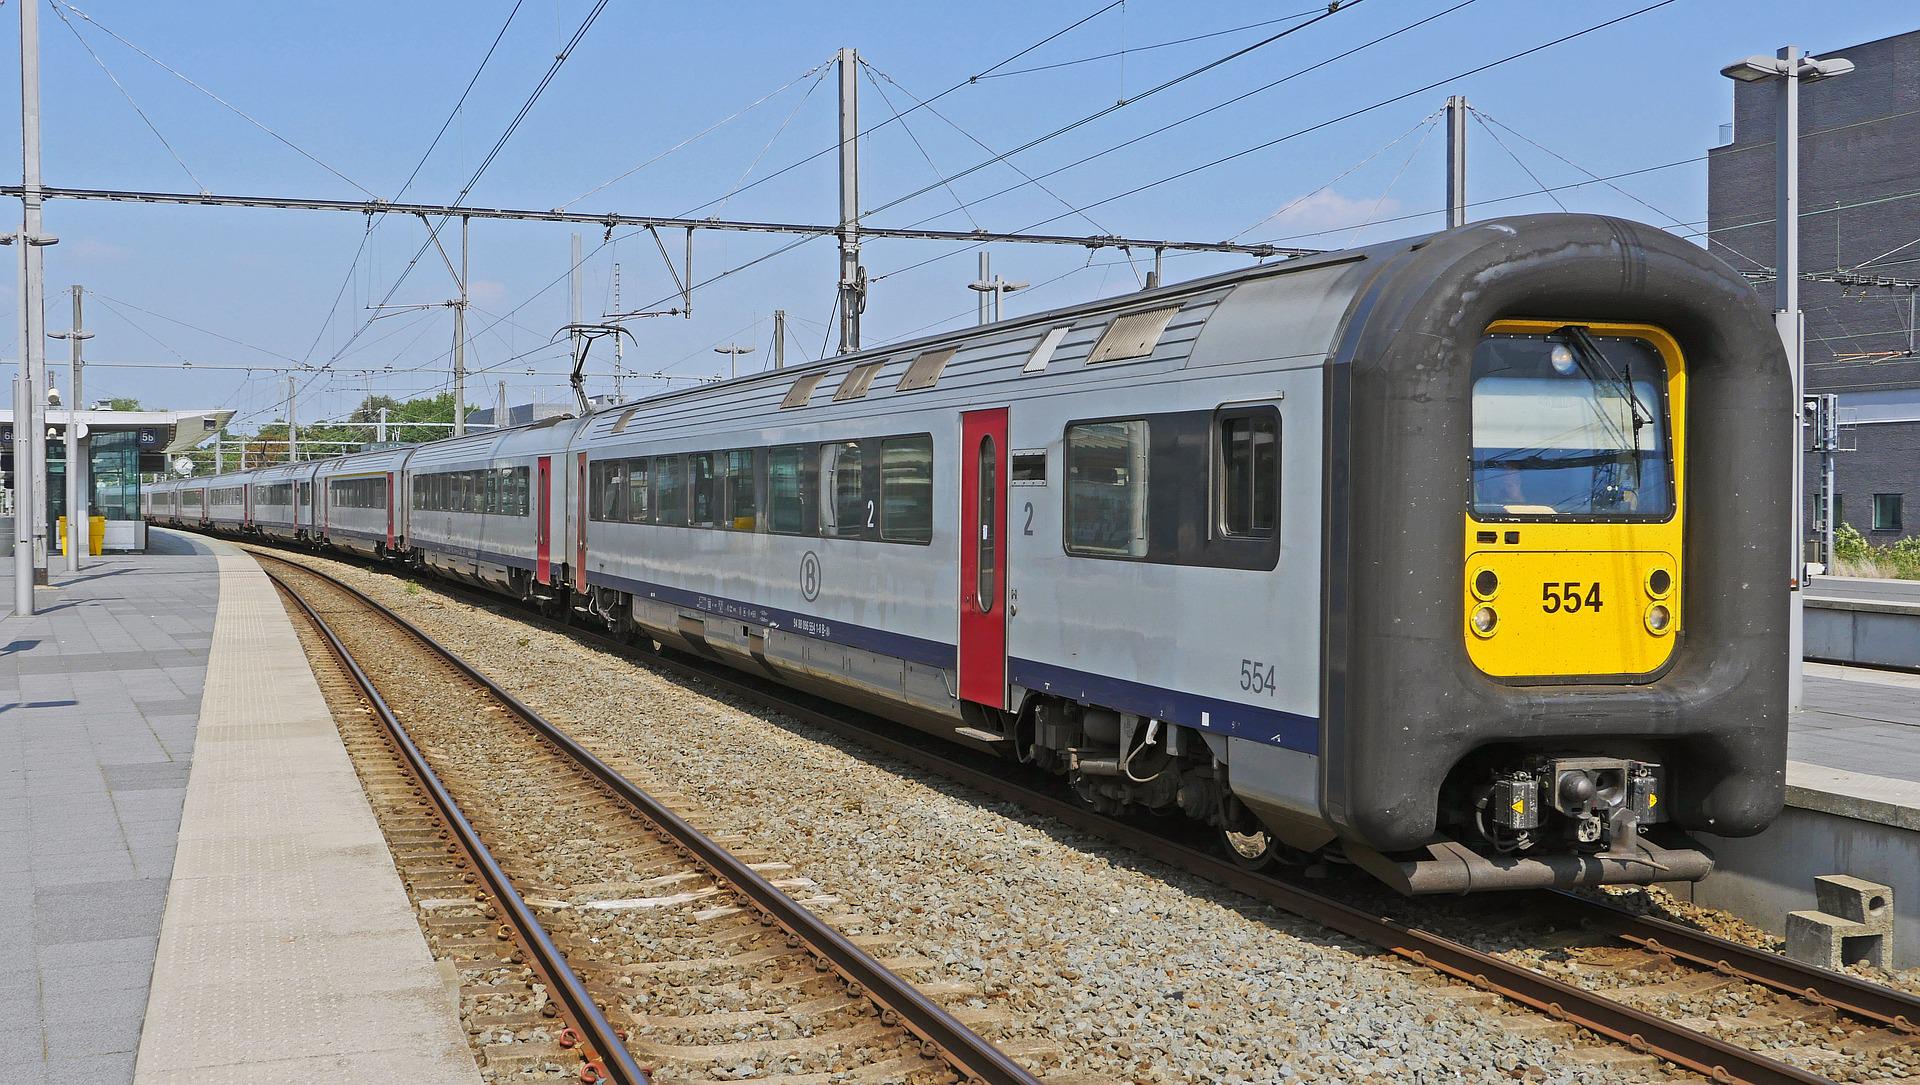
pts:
[1557, 587]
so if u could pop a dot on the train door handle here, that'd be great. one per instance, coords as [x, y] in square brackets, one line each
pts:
[1013, 601]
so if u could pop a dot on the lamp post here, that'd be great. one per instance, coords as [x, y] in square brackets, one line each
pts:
[989, 283]
[1791, 68]
[78, 518]
[733, 351]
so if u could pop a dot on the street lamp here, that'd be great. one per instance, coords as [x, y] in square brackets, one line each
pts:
[733, 351]
[1791, 68]
[989, 283]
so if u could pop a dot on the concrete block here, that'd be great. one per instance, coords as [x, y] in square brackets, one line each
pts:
[1853, 925]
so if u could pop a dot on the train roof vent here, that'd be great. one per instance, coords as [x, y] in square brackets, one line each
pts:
[1043, 350]
[1132, 336]
[925, 370]
[802, 390]
[856, 382]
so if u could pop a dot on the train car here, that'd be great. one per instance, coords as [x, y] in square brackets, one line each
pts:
[481, 508]
[191, 503]
[229, 501]
[357, 502]
[1457, 558]
[1449, 556]
[282, 501]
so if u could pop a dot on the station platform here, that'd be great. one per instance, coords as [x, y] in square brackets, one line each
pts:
[1853, 806]
[191, 881]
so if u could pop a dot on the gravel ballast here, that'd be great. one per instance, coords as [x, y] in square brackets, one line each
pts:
[1136, 971]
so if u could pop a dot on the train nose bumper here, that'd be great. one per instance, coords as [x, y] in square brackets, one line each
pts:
[1453, 868]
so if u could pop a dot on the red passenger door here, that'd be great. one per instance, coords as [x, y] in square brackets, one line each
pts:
[580, 529]
[983, 557]
[543, 520]
[392, 498]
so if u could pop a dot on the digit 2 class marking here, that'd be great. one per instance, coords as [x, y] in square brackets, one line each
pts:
[1570, 596]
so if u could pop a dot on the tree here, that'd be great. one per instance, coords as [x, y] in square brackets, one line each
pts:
[123, 403]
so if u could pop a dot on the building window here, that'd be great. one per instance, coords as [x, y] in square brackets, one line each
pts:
[906, 489]
[1249, 473]
[1886, 512]
[1107, 489]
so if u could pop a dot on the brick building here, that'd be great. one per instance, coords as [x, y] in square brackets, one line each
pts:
[1859, 256]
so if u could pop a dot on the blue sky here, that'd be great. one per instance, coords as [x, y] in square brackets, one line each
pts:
[362, 87]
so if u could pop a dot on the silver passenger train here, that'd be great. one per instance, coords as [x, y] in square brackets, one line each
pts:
[1451, 557]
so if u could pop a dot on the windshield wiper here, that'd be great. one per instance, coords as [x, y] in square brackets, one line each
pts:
[1597, 368]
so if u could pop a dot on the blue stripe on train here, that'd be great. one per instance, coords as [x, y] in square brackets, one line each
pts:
[932, 653]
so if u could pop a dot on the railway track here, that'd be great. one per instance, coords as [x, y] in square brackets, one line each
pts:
[1648, 960]
[597, 931]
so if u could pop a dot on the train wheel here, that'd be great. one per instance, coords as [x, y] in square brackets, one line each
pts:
[1254, 850]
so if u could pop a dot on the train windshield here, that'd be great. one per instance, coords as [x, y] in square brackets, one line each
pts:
[1570, 425]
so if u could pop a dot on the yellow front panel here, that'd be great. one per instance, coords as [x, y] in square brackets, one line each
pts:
[1571, 612]
[1550, 571]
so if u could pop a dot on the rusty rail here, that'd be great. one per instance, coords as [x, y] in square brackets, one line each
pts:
[1886, 1006]
[606, 1056]
[969, 1053]
[1636, 1029]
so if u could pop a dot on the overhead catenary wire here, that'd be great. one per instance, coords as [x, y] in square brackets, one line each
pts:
[1350, 114]
[976, 141]
[1192, 73]
[229, 106]
[816, 70]
[513, 126]
[969, 81]
[959, 204]
[1156, 45]
[128, 95]
[373, 221]
[1424, 123]
[1217, 106]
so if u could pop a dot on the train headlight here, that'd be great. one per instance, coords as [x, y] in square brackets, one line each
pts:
[1659, 619]
[1484, 619]
[1485, 583]
[1659, 583]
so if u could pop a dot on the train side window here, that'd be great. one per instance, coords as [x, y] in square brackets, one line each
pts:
[639, 481]
[1247, 473]
[844, 508]
[703, 486]
[787, 490]
[1106, 491]
[906, 489]
[670, 497]
[741, 511]
[607, 483]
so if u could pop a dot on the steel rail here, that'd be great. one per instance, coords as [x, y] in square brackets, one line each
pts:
[1636, 1029]
[606, 1052]
[1885, 1005]
[966, 1050]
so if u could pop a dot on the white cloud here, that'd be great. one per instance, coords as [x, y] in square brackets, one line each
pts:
[1328, 210]
[488, 292]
